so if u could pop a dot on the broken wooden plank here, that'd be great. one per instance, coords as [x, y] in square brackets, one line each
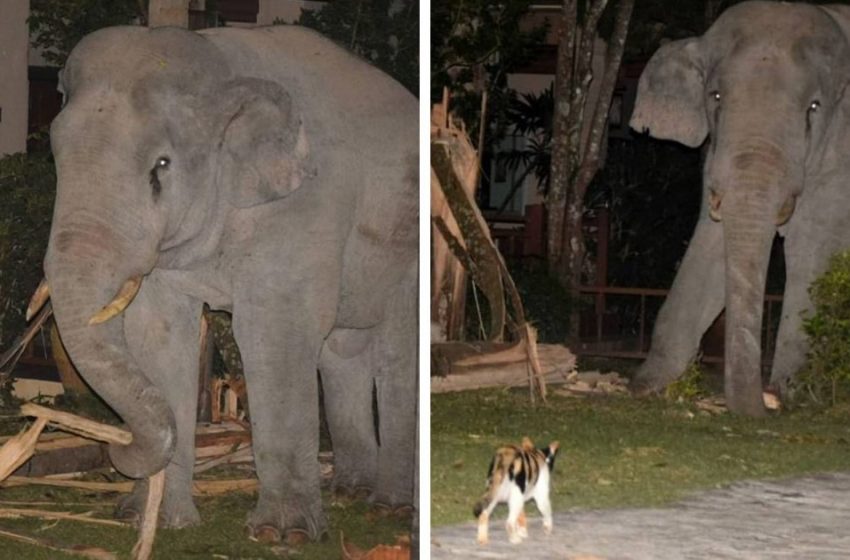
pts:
[78, 425]
[17, 450]
[91, 552]
[147, 532]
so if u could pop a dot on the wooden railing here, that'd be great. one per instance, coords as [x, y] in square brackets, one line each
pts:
[595, 346]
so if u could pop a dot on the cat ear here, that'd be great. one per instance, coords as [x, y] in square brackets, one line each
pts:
[553, 447]
[527, 444]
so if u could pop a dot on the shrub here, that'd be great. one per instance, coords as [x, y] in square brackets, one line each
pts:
[826, 376]
[28, 184]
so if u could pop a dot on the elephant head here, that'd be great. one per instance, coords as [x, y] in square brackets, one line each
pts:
[766, 84]
[157, 141]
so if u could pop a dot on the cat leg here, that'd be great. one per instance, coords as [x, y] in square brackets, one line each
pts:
[545, 507]
[515, 506]
[522, 524]
[484, 521]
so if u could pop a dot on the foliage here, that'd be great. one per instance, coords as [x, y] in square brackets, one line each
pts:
[28, 184]
[474, 45]
[384, 32]
[826, 376]
[530, 115]
[617, 451]
[546, 303]
[689, 386]
[56, 26]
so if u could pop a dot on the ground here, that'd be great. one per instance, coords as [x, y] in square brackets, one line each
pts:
[789, 519]
[619, 452]
[219, 536]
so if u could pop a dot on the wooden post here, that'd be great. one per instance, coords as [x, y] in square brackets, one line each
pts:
[173, 13]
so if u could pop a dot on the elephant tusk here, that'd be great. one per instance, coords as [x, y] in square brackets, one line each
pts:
[787, 210]
[714, 200]
[38, 299]
[119, 303]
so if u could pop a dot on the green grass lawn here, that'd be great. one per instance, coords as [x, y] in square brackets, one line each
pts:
[618, 451]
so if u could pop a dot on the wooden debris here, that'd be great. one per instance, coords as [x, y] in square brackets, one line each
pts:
[17, 450]
[228, 396]
[199, 487]
[147, 532]
[593, 383]
[84, 551]
[14, 513]
[399, 551]
[466, 366]
[243, 453]
[78, 425]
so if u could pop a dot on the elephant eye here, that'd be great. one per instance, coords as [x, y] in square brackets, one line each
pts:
[162, 162]
[715, 95]
[814, 106]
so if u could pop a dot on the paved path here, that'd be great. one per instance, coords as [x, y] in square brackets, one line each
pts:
[800, 519]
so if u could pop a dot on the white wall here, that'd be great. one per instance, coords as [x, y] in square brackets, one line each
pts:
[14, 84]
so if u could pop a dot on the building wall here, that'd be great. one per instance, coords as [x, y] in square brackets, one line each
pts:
[14, 39]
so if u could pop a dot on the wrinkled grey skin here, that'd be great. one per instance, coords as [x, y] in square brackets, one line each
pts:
[749, 84]
[290, 199]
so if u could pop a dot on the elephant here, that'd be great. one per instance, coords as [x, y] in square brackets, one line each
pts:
[766, 84]
[268, 173]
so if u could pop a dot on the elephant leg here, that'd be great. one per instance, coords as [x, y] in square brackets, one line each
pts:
[693, 303]
[348, 384]
[280, 351]
[397, 388]
[812, 238]
[163, 333]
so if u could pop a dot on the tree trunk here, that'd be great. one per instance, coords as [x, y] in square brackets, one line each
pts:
[576, 156]
[162, 13]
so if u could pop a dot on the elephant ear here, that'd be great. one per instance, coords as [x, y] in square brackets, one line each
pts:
[264, 148]
[670, 99]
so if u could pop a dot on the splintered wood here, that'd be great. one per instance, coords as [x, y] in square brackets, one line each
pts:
[462, 244]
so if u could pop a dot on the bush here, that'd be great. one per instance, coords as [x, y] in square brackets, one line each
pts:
[826, 376]
[28, 184]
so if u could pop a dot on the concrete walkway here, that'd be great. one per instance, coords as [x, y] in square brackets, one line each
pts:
[801, 519]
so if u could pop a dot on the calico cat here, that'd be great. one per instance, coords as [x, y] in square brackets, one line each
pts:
[516, 475]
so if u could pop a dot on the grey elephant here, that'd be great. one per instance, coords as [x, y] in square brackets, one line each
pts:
[268, 173]
[767, 83]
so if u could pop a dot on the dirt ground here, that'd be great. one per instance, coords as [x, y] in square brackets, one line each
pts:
[788, 519]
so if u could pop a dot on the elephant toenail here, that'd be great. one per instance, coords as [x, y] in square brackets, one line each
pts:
[297, 537]
[264, 533]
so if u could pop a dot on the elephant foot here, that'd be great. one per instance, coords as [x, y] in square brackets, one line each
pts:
[653, 376]
[174, 513]
[273, 522]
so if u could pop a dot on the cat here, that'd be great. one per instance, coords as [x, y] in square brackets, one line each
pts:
[516, 475]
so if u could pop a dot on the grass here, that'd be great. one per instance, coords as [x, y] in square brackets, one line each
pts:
[618, 451]
[221, 535]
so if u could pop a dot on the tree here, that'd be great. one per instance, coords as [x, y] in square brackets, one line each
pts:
[576, 152]
[57, 25]
[474, 45]
[384, 32]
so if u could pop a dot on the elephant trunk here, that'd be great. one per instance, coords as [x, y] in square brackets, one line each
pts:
[749, 227]
[85, 266]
